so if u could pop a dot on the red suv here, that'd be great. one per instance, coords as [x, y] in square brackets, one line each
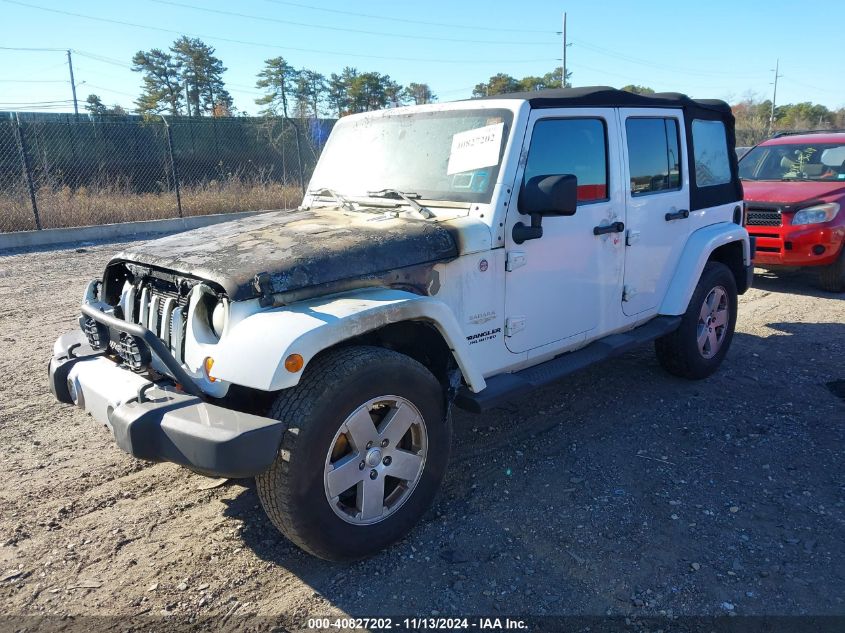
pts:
[794, 197]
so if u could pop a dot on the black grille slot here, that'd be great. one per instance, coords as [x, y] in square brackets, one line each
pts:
[763, 217]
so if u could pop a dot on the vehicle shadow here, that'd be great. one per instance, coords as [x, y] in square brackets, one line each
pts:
[799, 281]
[596, 494]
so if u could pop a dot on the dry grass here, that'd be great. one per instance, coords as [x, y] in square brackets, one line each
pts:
[113, 203]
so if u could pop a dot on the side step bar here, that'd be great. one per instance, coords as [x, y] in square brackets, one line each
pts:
[505, 387]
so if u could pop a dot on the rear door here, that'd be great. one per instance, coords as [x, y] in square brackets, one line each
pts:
[657, 203]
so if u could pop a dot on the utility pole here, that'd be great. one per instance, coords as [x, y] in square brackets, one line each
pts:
[774, 98]
[72, 84]
[563, 68]
[187, 99]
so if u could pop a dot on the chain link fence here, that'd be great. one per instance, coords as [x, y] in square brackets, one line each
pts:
[60, 171]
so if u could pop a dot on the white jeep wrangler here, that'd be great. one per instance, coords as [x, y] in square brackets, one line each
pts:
[458, 253]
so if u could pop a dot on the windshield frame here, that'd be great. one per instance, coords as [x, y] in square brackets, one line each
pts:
[448, 197]
[760, 155]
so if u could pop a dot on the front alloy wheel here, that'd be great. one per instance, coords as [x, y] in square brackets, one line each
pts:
[375, 460]
[366, 449]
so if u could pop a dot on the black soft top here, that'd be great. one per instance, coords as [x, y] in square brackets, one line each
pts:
[612, 98]
[703, 109]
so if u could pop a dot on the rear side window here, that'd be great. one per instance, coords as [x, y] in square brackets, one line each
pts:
[653, 155]
[571, 146]
[710, 151]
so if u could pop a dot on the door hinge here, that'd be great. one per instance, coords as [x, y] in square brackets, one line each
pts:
[628, 292]
[632, 237]
[514, 260]
[514, 325]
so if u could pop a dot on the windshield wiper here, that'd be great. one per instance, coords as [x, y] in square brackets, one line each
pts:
[339, 198]
[395, 194]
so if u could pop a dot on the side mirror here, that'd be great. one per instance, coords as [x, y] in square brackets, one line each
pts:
[549, 195]
[552, 195]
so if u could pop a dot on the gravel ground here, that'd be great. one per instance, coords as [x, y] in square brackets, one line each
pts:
[621, 490]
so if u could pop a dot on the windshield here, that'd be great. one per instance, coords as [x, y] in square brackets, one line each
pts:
[438, 155]
[804, 161]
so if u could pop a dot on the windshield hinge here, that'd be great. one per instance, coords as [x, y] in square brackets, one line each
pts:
[514, 325]
[514, 260]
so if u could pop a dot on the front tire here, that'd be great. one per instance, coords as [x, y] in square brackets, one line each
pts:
[832, 277]
[366, 451]
[696, 349]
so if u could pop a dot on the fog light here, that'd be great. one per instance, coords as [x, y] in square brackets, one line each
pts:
[133, 352]
[208, 363]
[294, 363]
[96, 333]
[818, 249]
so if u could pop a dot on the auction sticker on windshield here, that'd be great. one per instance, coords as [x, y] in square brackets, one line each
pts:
[476, 148]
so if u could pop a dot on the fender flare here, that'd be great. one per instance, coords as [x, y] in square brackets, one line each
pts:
[700, 245]
[253, 351]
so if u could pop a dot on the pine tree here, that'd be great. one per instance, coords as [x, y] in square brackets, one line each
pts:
[419, 93]
[202, 73]
[161, 91]
[278, 80]
[310, 90]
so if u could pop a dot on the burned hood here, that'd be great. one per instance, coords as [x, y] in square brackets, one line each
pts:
[296, 249]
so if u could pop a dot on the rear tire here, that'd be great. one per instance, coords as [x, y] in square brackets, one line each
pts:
[696, 349]
[832, 277]
[345, 486]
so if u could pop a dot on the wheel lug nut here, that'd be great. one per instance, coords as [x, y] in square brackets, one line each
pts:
[373, 474]
[362, 465]
[384, 443]
[387, 460]
[369, 445]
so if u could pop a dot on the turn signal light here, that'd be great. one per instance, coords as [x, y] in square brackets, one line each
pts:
[294, 363]
[209, 363]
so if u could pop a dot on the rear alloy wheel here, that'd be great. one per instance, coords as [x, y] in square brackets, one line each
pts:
[696, 349]
[713, 322]
[366, 449]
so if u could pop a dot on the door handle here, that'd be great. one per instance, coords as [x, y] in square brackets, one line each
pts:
[613, 227]
[677, 215]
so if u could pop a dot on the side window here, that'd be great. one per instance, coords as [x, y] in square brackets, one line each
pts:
[571, 146]
[710, 150]
[653, 155]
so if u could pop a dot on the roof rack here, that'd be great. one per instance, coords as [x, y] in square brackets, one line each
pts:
[794, 132]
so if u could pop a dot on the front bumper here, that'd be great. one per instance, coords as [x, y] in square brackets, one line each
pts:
[787, 245]
[157, 421]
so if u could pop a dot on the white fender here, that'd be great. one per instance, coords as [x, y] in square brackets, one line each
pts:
[699, 246]
[253, 350]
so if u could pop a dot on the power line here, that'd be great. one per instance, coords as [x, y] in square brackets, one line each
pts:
[24, 48]
[117, 92]
[805, 85]
[464, 27]
[644, 62]
[34, 81]
[414, 36]
[36, 102]
[345, 54]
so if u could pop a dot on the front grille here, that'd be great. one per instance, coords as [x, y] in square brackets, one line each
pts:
[160, 306]
[763, 217]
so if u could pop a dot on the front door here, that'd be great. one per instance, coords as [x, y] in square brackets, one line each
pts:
[566, 285]
[657, 201]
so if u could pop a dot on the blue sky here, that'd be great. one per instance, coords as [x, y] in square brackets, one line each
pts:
[718, 49]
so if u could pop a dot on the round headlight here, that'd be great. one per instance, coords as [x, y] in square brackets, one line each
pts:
[218, 318]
